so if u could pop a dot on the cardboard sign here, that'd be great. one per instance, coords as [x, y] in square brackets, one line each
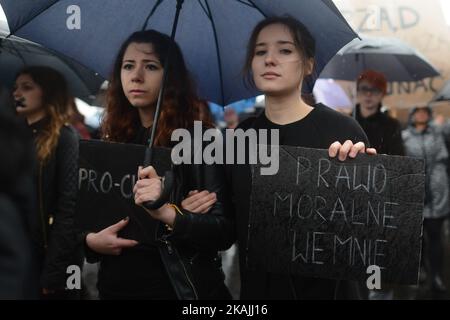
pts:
[107, 174]
[324, 218]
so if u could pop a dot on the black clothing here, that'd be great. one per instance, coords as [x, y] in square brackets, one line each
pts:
[319, 129]
[56, 183]
[18, 270]
[433, 251]
[185, 263]
[383, 131]
[138, 272]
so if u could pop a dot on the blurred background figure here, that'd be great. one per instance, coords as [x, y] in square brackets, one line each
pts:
[231, 118]
[41, 97]
[383, 131]
[422, 139]
[17, 264]
[77, 120]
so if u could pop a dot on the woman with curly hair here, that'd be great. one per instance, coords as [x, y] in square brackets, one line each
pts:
[182, 262]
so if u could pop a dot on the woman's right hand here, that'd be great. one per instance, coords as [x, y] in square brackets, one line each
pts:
[107, 241]
[199, 202]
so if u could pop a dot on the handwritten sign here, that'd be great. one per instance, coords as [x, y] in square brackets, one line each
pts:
[106, 177]
[324, 218]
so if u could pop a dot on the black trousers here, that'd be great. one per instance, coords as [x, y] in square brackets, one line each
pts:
[433, 250]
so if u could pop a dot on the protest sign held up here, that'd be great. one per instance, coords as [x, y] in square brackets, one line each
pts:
[107, 174]
[329, 219]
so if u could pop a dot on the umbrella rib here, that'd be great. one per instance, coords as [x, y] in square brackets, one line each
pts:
[29, 20]
[256, 7]
[219, 60]
[157, 4]
[204, 9]
[13, 49]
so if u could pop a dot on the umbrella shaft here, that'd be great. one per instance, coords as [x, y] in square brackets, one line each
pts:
[148, 154]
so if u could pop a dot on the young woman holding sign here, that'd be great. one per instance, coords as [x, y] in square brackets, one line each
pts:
[183, 263]
[280, 56]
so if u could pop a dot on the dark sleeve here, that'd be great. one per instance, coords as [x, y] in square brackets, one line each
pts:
[63, 238]
[90, 255]
[15, 252]
[214, 230]
[395, 144]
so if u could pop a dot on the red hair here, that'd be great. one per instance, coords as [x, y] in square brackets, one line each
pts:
[376, 79]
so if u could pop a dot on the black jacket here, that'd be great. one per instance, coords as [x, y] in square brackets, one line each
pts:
[383, 131]
[18, 279]
[189, 252]
[55, 234]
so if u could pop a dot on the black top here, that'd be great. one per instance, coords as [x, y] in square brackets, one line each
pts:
[319, 129]
[138, 272]
[383, 131]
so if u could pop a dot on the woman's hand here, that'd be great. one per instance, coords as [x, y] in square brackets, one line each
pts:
[107, 241]
[348, 149]
[148, 188]
[199, 202]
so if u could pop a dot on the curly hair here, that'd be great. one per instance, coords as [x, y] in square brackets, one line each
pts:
[55, 100]
[121, 120]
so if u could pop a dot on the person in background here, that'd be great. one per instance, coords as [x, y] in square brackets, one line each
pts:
[182, 262]
[41, 97]
[77, 120]
[422, 139]
[18, 276]
[231, 118]
[280, 56]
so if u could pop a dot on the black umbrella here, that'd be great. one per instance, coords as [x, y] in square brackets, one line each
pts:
[213, 34]
[17, 53]
[443, 94]
[390, 56]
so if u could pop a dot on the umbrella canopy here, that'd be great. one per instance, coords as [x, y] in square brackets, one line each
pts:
[16, 53]
[212, 34]
[443, 94]
[330, 93]
[395, 59]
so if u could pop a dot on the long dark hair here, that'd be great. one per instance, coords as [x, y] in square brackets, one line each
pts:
[121, 120]
[55, 100]
[303, 40]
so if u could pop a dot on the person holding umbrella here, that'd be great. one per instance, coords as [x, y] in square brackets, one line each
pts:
[183, 263]
[42, 98]
[280, 56]
[383, 131]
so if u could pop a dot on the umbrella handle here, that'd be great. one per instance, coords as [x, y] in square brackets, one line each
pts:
[167, 183]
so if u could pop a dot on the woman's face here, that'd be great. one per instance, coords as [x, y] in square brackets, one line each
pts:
[277, 64]
[421, 116]
[141, 75]
[29, 93]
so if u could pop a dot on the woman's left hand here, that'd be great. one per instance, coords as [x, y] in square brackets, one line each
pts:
[348, 149]
[148, 188]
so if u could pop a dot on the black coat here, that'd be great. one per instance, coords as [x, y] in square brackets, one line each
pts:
[383, 131]
[55, 236]
[17, 280]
